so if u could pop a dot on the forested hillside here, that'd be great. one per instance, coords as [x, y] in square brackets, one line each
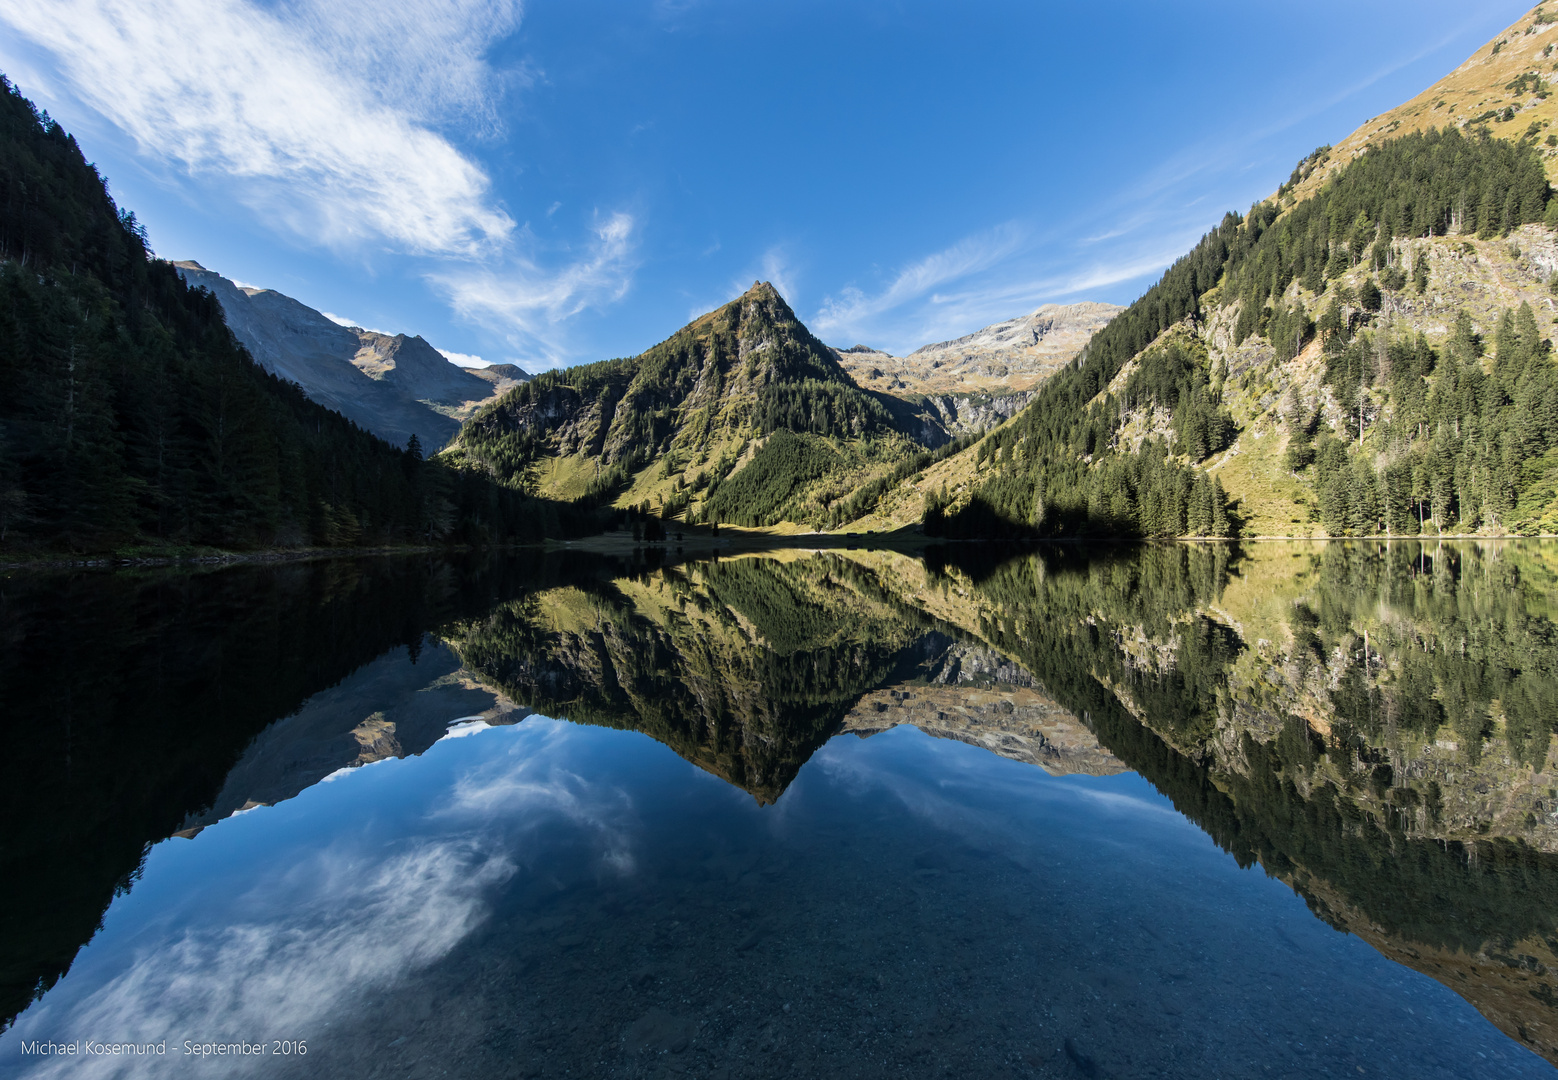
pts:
[1143, 434]
[129, 415]
[743, 416]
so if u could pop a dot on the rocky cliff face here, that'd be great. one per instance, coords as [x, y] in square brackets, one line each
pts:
[393, 386]
[976, 696]
[965, 414]
[1011, 356]
[420, 372]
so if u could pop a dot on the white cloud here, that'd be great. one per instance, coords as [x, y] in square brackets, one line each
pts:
[299, 940]
[464, 359]
[777, 271]
[531, 303]
[319, 112]
[342, 320]
[352, 921]
[967, 256]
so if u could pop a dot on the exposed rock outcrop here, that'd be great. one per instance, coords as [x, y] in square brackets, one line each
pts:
[1006, 357]
[392, 385]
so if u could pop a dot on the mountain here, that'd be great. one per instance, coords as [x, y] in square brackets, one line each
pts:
[394, 386]
[131, 416]
[1368, 352]
[1506, 84]
[1004, 358]
[742, 416]
[746, 666]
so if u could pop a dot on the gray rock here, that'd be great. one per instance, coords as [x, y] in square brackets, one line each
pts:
[392, 385]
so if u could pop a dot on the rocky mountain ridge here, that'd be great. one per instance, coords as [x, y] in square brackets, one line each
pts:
[1007, 357]
[392, 385]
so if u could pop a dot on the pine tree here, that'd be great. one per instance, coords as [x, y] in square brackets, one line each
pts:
[1220, 523]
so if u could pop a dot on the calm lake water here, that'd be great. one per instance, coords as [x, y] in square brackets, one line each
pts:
[1158, 811]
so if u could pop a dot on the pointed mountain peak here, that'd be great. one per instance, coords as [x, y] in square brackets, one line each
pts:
[763, 294]
[762, 290]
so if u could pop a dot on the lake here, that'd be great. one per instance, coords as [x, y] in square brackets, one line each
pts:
[1173, 810]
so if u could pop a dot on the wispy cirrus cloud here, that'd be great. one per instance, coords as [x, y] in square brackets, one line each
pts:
[531, 303]
[779, 270]
[853, 308]
[332, 120]
[319, 121]
[985, 278]
[776, 266]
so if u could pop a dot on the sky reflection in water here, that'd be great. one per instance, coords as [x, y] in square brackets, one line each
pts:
[544, 898]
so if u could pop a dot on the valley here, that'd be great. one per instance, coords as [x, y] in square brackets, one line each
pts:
[1152, 689]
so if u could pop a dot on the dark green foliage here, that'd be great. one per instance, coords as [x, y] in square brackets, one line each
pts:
[129, 414]
[1461, 637]
[1056, 466]
[1301, 424]
[1304, 169]
[821, 408]
[1435, 442]
[864, 499]
[641, 405]
[1054, 478]
[761, 493]
[933, 513]
[1369, 295]
[1289, 329]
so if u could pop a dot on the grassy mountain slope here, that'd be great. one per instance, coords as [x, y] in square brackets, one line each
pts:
[1507, 84]
[744, 391]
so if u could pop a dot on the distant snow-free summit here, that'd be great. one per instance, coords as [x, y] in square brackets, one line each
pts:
[1003, 358]
[392, 385]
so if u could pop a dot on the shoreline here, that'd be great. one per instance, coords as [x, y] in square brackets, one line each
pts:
[210, 557]
[696, 544]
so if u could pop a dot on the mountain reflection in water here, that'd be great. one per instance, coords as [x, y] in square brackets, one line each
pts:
[1369, 723]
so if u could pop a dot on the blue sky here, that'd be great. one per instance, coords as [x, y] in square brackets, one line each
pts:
[551, 183]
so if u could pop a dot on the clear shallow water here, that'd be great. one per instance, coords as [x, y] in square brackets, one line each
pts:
[549, 899]
[750, 856]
